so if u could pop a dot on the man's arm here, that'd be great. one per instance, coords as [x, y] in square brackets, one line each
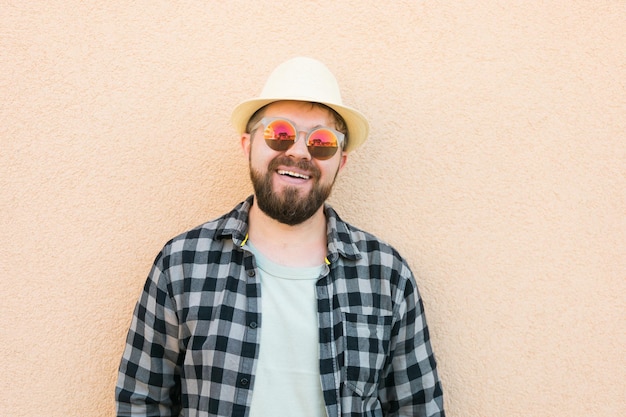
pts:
[148, 380]
[411, 386]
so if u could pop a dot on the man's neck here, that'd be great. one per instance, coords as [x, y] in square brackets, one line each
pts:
[301, 245]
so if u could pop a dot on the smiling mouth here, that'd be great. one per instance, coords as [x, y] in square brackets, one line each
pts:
[292, 174]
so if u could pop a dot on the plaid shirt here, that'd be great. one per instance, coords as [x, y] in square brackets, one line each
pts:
[193, 343]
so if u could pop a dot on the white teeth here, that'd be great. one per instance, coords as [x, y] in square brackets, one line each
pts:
[293, 174]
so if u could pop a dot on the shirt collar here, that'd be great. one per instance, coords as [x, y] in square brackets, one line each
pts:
[339, 236]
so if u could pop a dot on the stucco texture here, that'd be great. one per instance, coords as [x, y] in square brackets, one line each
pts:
[496, 165]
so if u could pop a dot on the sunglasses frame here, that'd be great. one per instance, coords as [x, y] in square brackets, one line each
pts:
[312, 149]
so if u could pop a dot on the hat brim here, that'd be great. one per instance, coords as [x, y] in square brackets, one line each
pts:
[356, 123]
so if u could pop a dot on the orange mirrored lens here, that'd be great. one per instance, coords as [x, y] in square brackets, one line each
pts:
[279, 135]
[322, 143]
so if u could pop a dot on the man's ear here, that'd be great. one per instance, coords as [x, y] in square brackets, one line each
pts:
[343, 161]
[246, 142]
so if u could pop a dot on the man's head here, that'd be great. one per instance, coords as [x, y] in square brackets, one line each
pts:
[296, 137]
[291, 185]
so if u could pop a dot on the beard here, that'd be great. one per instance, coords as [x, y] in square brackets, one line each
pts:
[289, 207]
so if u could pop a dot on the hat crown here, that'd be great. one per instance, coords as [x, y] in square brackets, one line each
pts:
[304, 79]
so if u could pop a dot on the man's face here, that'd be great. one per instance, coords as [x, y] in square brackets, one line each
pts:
[291, 186]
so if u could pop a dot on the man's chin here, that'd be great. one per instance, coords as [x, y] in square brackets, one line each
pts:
[290, 207]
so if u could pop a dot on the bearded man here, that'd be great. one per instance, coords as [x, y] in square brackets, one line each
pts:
[280, 308]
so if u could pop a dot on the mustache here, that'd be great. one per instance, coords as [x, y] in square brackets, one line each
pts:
[301, 164]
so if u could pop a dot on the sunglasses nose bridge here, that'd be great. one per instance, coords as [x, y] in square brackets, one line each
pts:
[299, 148]
[300, 134]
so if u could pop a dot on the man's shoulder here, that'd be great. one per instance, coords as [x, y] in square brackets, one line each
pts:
[352, 239]
[233, 224]
[374, 262]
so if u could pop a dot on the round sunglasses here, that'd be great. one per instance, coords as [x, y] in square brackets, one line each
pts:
[280, 134]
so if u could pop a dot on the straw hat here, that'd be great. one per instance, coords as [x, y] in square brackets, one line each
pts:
[304, 79]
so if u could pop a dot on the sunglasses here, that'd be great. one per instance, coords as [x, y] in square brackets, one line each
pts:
[280, 134]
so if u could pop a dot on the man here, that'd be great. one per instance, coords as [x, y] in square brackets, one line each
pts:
[279, 308]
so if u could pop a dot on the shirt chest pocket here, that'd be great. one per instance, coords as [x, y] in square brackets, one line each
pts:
[366, 345]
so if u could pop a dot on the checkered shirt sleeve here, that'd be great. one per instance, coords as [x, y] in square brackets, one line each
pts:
[150, 364]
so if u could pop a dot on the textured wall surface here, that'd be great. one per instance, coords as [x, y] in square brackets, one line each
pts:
[496, 164]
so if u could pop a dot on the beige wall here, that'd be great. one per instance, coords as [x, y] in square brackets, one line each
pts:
[496, 165]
